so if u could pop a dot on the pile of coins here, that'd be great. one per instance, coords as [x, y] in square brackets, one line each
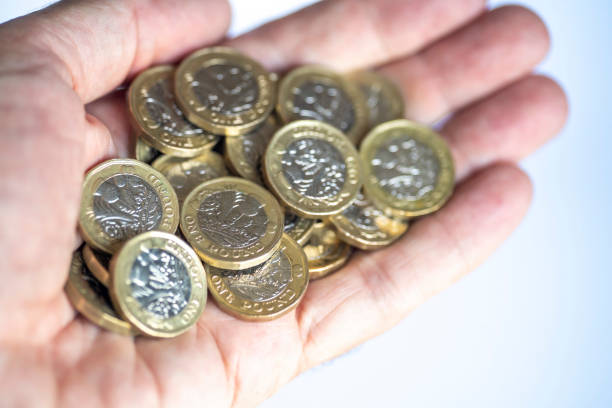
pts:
[304, 190]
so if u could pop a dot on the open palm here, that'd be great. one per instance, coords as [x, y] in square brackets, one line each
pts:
[57, 68]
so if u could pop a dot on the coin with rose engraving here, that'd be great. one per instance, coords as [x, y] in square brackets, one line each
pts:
[325, 252]
[243, 153]
[97, 262]
[122, 198]
[409, 169]
[186, 174]
[144, 152]
[298, 228]
[312, 168]
[232, 223]
[364, 226]
[159, 120]
[265, 291]
[224, 91]
[91, 298]
[314, 92]
[383, 98]
[158, 284]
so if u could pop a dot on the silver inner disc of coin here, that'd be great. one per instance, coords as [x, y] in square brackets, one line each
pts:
[324, 102]
[314, 168]
[232, 219]
[362, 214]
[159, 281]
[263, 282]
[405, 168]
[125, 205]
[161, 107]
[379, 107]
[226, 89]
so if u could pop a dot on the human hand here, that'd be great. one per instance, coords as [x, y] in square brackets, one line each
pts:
[56, 67]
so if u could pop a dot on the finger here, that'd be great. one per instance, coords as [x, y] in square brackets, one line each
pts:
[493, 51]
[508, 125]
[115, 130]
[378, 289]
[95, 45]
[347, 34]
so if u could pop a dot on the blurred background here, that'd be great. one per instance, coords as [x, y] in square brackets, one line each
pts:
[532, 327]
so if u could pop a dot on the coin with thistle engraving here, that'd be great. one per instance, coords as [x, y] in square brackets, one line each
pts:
[243, 154]
[325, 252]
[158, 284]
[232, 223]
[158, 119]
[314, 92]
[97, 262]
[409, 169]
[144, 152]
[383, 99]
[265, 291]
[364, 226]
[312, 168]
[298, 228]
[224, 91]
[91, 298]
[122, 198]
[186, 174]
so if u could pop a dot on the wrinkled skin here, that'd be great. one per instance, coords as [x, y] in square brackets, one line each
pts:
[57, 68]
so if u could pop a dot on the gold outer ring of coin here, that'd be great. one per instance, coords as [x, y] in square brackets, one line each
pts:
[302, 230]
[220, 256]
[387, 231]
[91, 231]
[319, 268]
[197, 112]
[149, 130]
[144, 152]
[391, 205]
[388, 88]
[280, 186]
[246, 309]
[95, 265]
[142, 320]
[88, 303]
[298, 76]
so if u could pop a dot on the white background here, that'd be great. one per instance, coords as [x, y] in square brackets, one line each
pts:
[532, 327]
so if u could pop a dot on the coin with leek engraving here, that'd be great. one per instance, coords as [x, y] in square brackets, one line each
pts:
[325, 251]
[364, 226]
[91, 298]
[312, 168]
[409, 169]
[383, 98]
[186, 174]
[265, 291]
[97, 262]
[224, 92]
[158, 284]
[298, 228]
[122, 198]
[144, 152]
[314, 92]
[232, 223]
[243, 153]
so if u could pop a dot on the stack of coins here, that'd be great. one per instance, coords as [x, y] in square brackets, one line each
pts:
[272, 183]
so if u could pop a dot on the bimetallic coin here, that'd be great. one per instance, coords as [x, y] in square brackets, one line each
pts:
[312, 168]
[409, 169]
[364, 226]
[383, 98]
[186, 174]
[313, 92]
[158, 119]
[144, 152]
[122, 198]
[325, 252]
[232, 223]
[91, 298]
[97, 262]
[266, 291]
[298, 228]
[158, 284]
[243, 153]
[224, 91]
